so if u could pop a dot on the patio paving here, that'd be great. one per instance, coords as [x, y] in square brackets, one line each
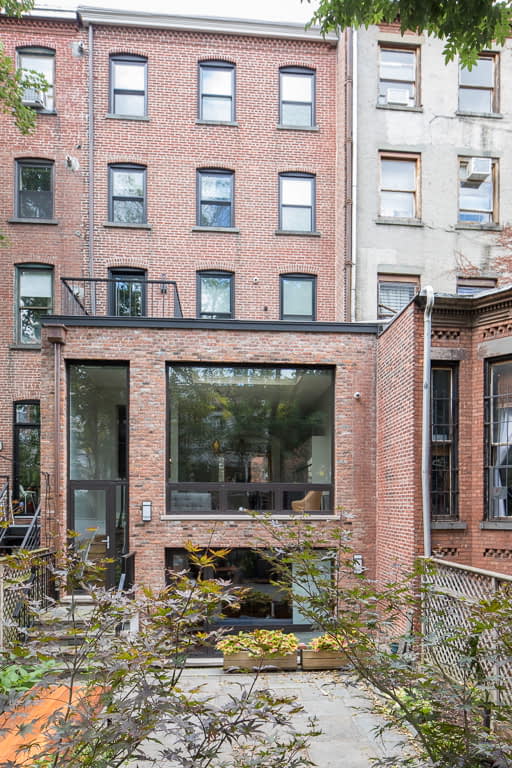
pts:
[347, 739]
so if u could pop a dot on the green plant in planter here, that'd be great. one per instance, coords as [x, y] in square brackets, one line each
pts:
[262, 642]
[327, 643]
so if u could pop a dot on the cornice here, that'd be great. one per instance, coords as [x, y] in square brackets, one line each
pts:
[111, 17]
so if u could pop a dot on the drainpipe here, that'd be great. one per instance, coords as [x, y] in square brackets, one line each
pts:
[90, 194]
[425, 453]
[354, 172]
[57, 337]
[348, 174]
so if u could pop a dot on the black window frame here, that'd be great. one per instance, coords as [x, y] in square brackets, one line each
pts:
[200, 274]
[304, 72]
[135, 60]
[41, 51]
[221, 65]
[46, 268]
[203, 172]
[312, 279]
[34, 162]
[304, 177]
[444, 501]
[17, 427]
[112, 168]
[489, 468]
[126, 274]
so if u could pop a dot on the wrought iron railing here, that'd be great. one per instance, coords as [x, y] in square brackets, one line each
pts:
[31, 540]
[4, 498]
[117, 297]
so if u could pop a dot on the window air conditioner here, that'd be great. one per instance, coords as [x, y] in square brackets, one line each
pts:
[479, 168]
[33, 98]
[397, 96]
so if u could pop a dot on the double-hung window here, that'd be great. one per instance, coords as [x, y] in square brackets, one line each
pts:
[128, 85]
[296, 202]
[34, 189]
[394, 293]
[42, 62]
[478, 87]
[398, 76]
[127, 200]
[498, 417]
[298, 297]
[215, 294]
[297, 97]
[215, 198]
[34, 288]
[399, 189]
[477, 190]
[443, 445]
[217, 91]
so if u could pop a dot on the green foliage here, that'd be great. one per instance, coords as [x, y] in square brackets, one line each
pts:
[260, 642]
[16, 677]
[467, 26]
[128, 701]
[447, 678]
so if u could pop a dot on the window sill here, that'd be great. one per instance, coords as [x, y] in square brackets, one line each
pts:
[119, 225]
[283, 127]
[139, 118]
[497, 525]
[297, 232]
[16, 220]
[492, 115]
[399, 107]
[448, 525]
[227, 230]
[229, 123]
[26, 347]
[399, 222]
[481, 227]
[45, 111]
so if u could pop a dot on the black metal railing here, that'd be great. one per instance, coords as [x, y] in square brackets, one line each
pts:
[31, 540]
[5, 506]
[116, 297]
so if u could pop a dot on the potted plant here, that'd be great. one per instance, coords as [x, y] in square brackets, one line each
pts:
[324, 652]
[260, 648]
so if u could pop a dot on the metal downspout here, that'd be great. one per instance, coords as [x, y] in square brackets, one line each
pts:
[90, 193]
[355, 139]
[348, 176]
[425, 453]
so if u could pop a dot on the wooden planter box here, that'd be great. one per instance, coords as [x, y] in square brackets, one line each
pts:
[323, 659]
[244, 661]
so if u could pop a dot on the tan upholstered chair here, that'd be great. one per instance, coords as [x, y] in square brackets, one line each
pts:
[310, 503]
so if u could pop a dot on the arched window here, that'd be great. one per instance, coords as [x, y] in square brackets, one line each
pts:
[298, 297]
[296, 202]
[127, 194]
[215, 294]
[42, 61]
[297, 97]
[128, 85]
[217, 91]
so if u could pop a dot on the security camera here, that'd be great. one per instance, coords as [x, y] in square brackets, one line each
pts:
[357, 395]
[255, 280]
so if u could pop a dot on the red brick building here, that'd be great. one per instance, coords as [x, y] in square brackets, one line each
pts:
[174, 290]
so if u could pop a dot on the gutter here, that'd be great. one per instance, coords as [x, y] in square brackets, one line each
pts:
[425, 424]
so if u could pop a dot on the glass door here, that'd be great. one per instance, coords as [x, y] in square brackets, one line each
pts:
[98, 516]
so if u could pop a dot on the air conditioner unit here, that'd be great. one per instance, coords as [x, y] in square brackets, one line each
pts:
[33, 98]
[479, 168]
[398, 96]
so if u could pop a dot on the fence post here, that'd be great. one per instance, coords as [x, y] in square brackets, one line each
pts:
[2, 606]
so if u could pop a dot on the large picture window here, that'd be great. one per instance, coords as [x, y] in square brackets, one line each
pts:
[499, 439]
[249, 438]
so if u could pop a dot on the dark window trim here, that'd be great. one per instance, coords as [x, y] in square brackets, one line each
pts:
[298, 175]
[215, 273]
[277, 486]
[306, 71]
[215, 172]
[28, 265]
[33, 162]
[216, 64]
[452, 442]
[297, 276]
[142, 60]
[15, 427]
[112, 168]
[489, 363]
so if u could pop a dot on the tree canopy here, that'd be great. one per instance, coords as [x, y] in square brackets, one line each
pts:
[466, 26]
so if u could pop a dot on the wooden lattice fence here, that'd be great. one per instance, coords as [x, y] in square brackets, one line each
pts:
[453, 590]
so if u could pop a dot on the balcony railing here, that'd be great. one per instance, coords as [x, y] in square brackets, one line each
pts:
[120, 297]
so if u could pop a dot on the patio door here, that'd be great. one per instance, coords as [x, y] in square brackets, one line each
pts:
[98, 516]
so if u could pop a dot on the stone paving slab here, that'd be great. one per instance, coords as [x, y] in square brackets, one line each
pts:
[347, 739]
